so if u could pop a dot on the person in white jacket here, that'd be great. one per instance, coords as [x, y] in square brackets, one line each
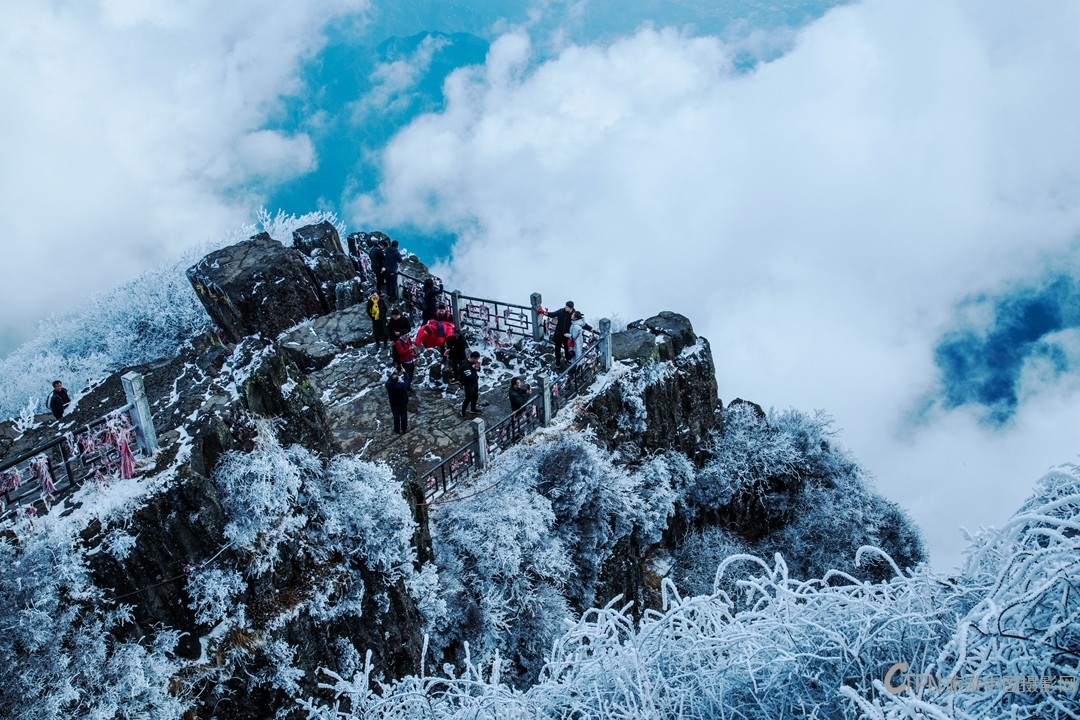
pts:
[576, 336]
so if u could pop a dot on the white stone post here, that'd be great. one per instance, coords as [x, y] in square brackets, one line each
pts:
[480, 428]
[135, 392]
[545, 402]
[605, 344]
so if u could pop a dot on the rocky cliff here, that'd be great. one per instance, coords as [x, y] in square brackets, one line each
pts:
[292, 365]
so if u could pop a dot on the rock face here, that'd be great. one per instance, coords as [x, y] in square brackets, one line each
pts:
[234, 286]
[675, 405]
[329, 264]
[315, 343]
[300, 359]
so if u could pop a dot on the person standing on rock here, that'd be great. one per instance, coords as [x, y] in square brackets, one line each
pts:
[397, 390]
[377, 256]
[470, 380]
[58, 399]
[376, 308]
[391, 259]
[563, 317]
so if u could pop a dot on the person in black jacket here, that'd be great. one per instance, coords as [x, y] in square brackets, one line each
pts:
[455, 350]
[563, 317]
[397, 389]
[519, 394]
[432, 293]
[376, 309]
[398, 325]
[377, 256]
[470, 380]
[58, 399]
[391, 259]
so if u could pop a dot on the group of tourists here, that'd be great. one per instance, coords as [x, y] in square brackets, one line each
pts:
[438, 331]
[385, 258]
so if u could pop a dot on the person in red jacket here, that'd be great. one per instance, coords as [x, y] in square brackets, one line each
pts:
[405, 353]
[433, 333]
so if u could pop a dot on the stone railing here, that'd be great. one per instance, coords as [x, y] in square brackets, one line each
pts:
[38, 478]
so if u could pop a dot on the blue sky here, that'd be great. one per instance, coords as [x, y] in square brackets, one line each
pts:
[870, 208]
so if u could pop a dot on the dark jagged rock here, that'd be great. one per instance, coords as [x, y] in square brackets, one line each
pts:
[234, 286]
[315, 239]
[678, 407]
[173, 532]
[633, 344]
[314, 344]
[276, 388]
[674, 326]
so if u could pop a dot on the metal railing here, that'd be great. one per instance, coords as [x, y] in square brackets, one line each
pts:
[516, 426]
[44, 475]
[449, 472]
[513, 428]
[579, 375]
[496, 323]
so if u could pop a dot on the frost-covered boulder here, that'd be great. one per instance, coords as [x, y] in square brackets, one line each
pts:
[315, 343]
[671, 402]
[321, 247]
[256, 286]
[636, 344]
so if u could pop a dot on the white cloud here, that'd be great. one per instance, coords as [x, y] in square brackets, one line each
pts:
[391, 81]
[132, 130]
[817, 218]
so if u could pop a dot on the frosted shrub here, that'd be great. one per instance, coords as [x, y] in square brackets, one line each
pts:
[503, 569]
[214, 592]
[783, 485]
[698, 556]
[362, 502]
[281, 225]
[63, 660]
[27, 418]
[258, 493]
[659, 481]
[595, 505]
[145, 319]
[1019, 620]
[744, 459]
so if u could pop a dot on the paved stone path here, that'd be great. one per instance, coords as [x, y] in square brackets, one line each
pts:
[359, 413]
